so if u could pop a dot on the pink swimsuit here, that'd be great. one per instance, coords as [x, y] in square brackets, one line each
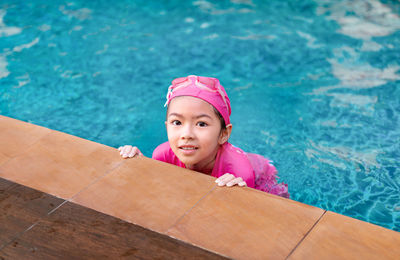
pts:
[254, 169]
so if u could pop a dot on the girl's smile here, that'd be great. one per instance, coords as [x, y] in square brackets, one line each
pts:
[188, 149]
[194, 132]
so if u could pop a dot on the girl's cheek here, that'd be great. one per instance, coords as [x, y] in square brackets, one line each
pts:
[172, 132]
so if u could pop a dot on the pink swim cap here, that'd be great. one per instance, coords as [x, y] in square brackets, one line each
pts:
[205, 88]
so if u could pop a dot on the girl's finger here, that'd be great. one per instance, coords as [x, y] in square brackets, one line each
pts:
[227, 179]
[223, 177]
[135, 151]
[242, 184]
[126, 151]
[121, 149]
[234, 182]
[128, 148]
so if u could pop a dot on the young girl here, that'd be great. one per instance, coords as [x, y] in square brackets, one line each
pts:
[198, 129]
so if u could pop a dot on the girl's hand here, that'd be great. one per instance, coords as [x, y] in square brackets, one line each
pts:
[129, 151]
[230, 180]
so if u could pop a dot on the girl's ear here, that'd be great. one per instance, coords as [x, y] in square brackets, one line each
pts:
[225, 134]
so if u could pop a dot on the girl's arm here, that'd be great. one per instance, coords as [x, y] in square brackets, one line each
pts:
[129, 151]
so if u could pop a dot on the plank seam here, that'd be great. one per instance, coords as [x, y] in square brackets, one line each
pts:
[190, 209]
[308, 232]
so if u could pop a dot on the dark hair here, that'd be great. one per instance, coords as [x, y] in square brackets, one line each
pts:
[221, 119]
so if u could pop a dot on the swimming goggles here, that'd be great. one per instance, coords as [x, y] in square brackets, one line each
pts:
[206, 83]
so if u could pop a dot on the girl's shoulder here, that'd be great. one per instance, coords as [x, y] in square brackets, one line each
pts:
[234, 160]
[233, 155]
[162, 147]
[228, 147]
[164, 153]
[249, 160]
[255, 169]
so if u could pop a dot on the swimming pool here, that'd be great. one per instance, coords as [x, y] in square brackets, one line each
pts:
[314, 85]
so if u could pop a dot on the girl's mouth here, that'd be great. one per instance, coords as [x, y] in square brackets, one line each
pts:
[188, 149]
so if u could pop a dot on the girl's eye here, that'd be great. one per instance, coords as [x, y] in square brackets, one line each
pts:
[202, 124]
[176, 122]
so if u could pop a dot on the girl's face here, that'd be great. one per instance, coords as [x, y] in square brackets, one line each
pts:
[194, 132]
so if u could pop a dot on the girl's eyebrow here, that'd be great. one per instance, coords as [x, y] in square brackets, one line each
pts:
[203, 115]
[175, 114]
[199, 116]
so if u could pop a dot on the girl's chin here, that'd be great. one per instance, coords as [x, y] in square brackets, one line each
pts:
[187, 161]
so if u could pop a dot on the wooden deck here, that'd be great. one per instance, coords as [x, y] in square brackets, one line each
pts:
[65, 197]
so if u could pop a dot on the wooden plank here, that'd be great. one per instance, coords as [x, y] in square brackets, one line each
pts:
[16, 136]
[76, 232]
[61, 164]
[4, 186]
[147, 192]
[244, 223]
[20, 208]
[340, 237]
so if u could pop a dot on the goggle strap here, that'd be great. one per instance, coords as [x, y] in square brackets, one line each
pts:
[168, 95]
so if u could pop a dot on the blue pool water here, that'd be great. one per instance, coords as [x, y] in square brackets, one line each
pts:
[314, 85]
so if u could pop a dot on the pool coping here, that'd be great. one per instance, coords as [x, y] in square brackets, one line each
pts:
[183, 204]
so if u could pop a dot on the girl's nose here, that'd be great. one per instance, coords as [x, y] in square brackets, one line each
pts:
[187, 132]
